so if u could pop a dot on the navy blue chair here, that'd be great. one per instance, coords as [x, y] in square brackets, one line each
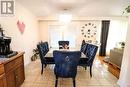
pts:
[62, 44]
[43, 48]
[66, 64]
[83, 47]
[42, 53]
[90, 53]
[46, 46]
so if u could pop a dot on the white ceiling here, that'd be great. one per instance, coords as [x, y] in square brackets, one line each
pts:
[98, 8]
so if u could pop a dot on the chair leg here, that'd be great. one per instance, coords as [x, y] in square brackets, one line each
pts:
[74, 85]
[56, 82]
[42, 69]
[85, 67]
[91, 71]
[45, 65]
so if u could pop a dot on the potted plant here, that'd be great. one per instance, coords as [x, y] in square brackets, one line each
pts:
[127, 9]
[35, 54]
[122, 44]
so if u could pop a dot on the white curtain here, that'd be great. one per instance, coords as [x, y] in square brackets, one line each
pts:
[118, 29]
[124, 79]
[62, 32]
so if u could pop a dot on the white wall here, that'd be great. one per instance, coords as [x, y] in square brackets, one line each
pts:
[26, 41]
[44, 29]
[124, 79]
[117, 31]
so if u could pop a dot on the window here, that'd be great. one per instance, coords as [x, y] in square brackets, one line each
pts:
[59, 32]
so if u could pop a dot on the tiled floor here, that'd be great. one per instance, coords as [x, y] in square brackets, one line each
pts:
[101, 77]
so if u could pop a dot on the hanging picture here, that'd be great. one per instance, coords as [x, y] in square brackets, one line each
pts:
[21, 26]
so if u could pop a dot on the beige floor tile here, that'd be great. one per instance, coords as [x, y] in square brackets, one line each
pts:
[107, 86]
[93, 86]
[27, 84]
[101, 77]
[104, 82]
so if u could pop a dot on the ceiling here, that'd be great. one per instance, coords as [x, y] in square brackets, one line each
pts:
[98, 8]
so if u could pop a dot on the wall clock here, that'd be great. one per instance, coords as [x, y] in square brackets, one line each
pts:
[89, 31]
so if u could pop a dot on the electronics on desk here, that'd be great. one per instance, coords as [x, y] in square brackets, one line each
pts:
[5, 45]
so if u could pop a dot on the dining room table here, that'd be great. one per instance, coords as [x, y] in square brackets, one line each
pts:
[49, 55]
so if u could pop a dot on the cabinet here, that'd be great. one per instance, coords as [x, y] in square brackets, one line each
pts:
[116, 55]
[2, 81]
[115, 61]
[12, 71]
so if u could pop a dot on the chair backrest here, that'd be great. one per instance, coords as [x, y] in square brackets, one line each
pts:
[62, 44]
[46, 46]
[91, 51]
[84, 47]
[66, 63]
[41, 52]
[83, 42]
[43, 48]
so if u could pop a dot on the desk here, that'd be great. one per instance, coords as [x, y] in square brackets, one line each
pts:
[12, 71]
[49, 56]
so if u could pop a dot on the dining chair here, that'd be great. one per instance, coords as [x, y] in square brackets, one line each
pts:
[43, 49]
[83, 47]
[62, 44]
[42, 53]
[46, 46]
[66, 64]
[90, 53]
